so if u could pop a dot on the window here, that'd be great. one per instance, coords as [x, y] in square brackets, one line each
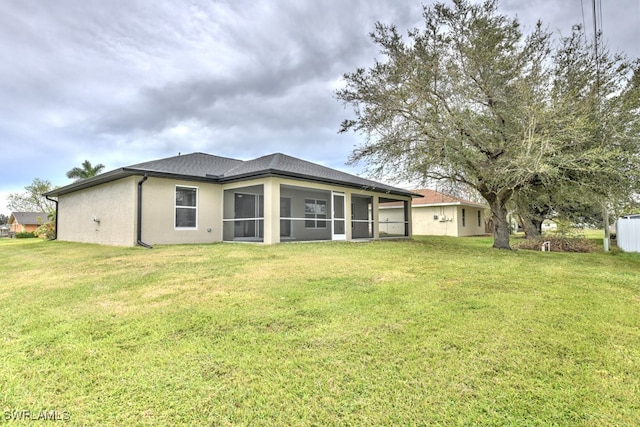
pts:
[315, 213]
[479, 218]
[464, 219]
[186, 207]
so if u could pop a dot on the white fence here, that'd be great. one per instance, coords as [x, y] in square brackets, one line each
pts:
[628, 233]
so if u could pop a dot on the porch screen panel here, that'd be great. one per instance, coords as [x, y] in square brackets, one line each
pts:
[361, 217]
[249, 213]
[305, 214]
[243, 214]
[315, 213]
[339, 214]
[285, 212]
[394, 222]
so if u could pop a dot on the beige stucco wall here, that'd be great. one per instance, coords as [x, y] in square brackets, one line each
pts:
[448, 223]
[471, 227]
[105, 214]
[158, 212]
[114, 204]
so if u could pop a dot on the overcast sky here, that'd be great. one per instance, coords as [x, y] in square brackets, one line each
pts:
[124, 81]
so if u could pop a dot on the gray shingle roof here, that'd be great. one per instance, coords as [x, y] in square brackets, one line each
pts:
[210, 168]
[281, 164]
[194, 164]
[26, 218]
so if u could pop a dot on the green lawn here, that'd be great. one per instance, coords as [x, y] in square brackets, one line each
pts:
[437, 331]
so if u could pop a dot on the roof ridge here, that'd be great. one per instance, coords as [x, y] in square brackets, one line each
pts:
[214, 155]
[275, 160]
[186, 155]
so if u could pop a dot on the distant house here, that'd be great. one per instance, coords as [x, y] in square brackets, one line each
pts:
[4, 230]
[26, 222]
[628, 233]
[202, 198]
[548, 225]
[436, 214]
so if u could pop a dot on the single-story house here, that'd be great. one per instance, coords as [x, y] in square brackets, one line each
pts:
[201, 198]
[436, 214]
[628, 233]
[4, 230]
[26, 222]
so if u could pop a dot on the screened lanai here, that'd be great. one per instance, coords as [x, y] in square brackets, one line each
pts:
[302, 214]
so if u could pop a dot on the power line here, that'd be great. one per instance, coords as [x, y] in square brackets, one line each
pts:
[584, 22]
[596, 38]
[600, 14]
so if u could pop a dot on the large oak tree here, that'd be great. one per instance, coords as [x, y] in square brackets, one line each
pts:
[471, 99]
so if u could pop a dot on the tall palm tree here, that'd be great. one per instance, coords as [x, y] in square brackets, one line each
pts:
[86, 171]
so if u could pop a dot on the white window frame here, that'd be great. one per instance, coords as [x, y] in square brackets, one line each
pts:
[176, 207]
[315, 219]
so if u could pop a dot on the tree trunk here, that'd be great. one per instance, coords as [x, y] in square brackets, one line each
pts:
[607, 234]
[532, 226]
[501, 227]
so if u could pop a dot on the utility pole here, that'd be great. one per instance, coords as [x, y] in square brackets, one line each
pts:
[596, 40]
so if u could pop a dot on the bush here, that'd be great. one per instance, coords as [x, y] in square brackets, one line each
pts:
[560, 241]
[25, 235]
[47, 230]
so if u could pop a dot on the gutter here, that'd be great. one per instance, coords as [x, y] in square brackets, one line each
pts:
[139, 228]
[55, 236]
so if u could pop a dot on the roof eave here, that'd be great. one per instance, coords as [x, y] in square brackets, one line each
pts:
[172, 175]
[87, 183]
[126, 172]
[283, 174]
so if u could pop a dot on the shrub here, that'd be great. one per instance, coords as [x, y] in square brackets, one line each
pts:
[25, 235]
[47, 230]
[561, 240]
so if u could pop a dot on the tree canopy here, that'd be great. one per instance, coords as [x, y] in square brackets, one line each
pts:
[32, 199]
[86, 171]
[472, 100]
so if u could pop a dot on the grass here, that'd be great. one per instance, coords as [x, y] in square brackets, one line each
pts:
[436, 331]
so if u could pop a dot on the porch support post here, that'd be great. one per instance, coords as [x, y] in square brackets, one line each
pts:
[407, 217]
[347, 216]
[376, 217]
[271, 211]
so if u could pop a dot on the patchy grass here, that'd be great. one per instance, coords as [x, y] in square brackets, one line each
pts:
[437, 331]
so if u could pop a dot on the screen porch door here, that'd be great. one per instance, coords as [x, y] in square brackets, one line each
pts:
[338, 229]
